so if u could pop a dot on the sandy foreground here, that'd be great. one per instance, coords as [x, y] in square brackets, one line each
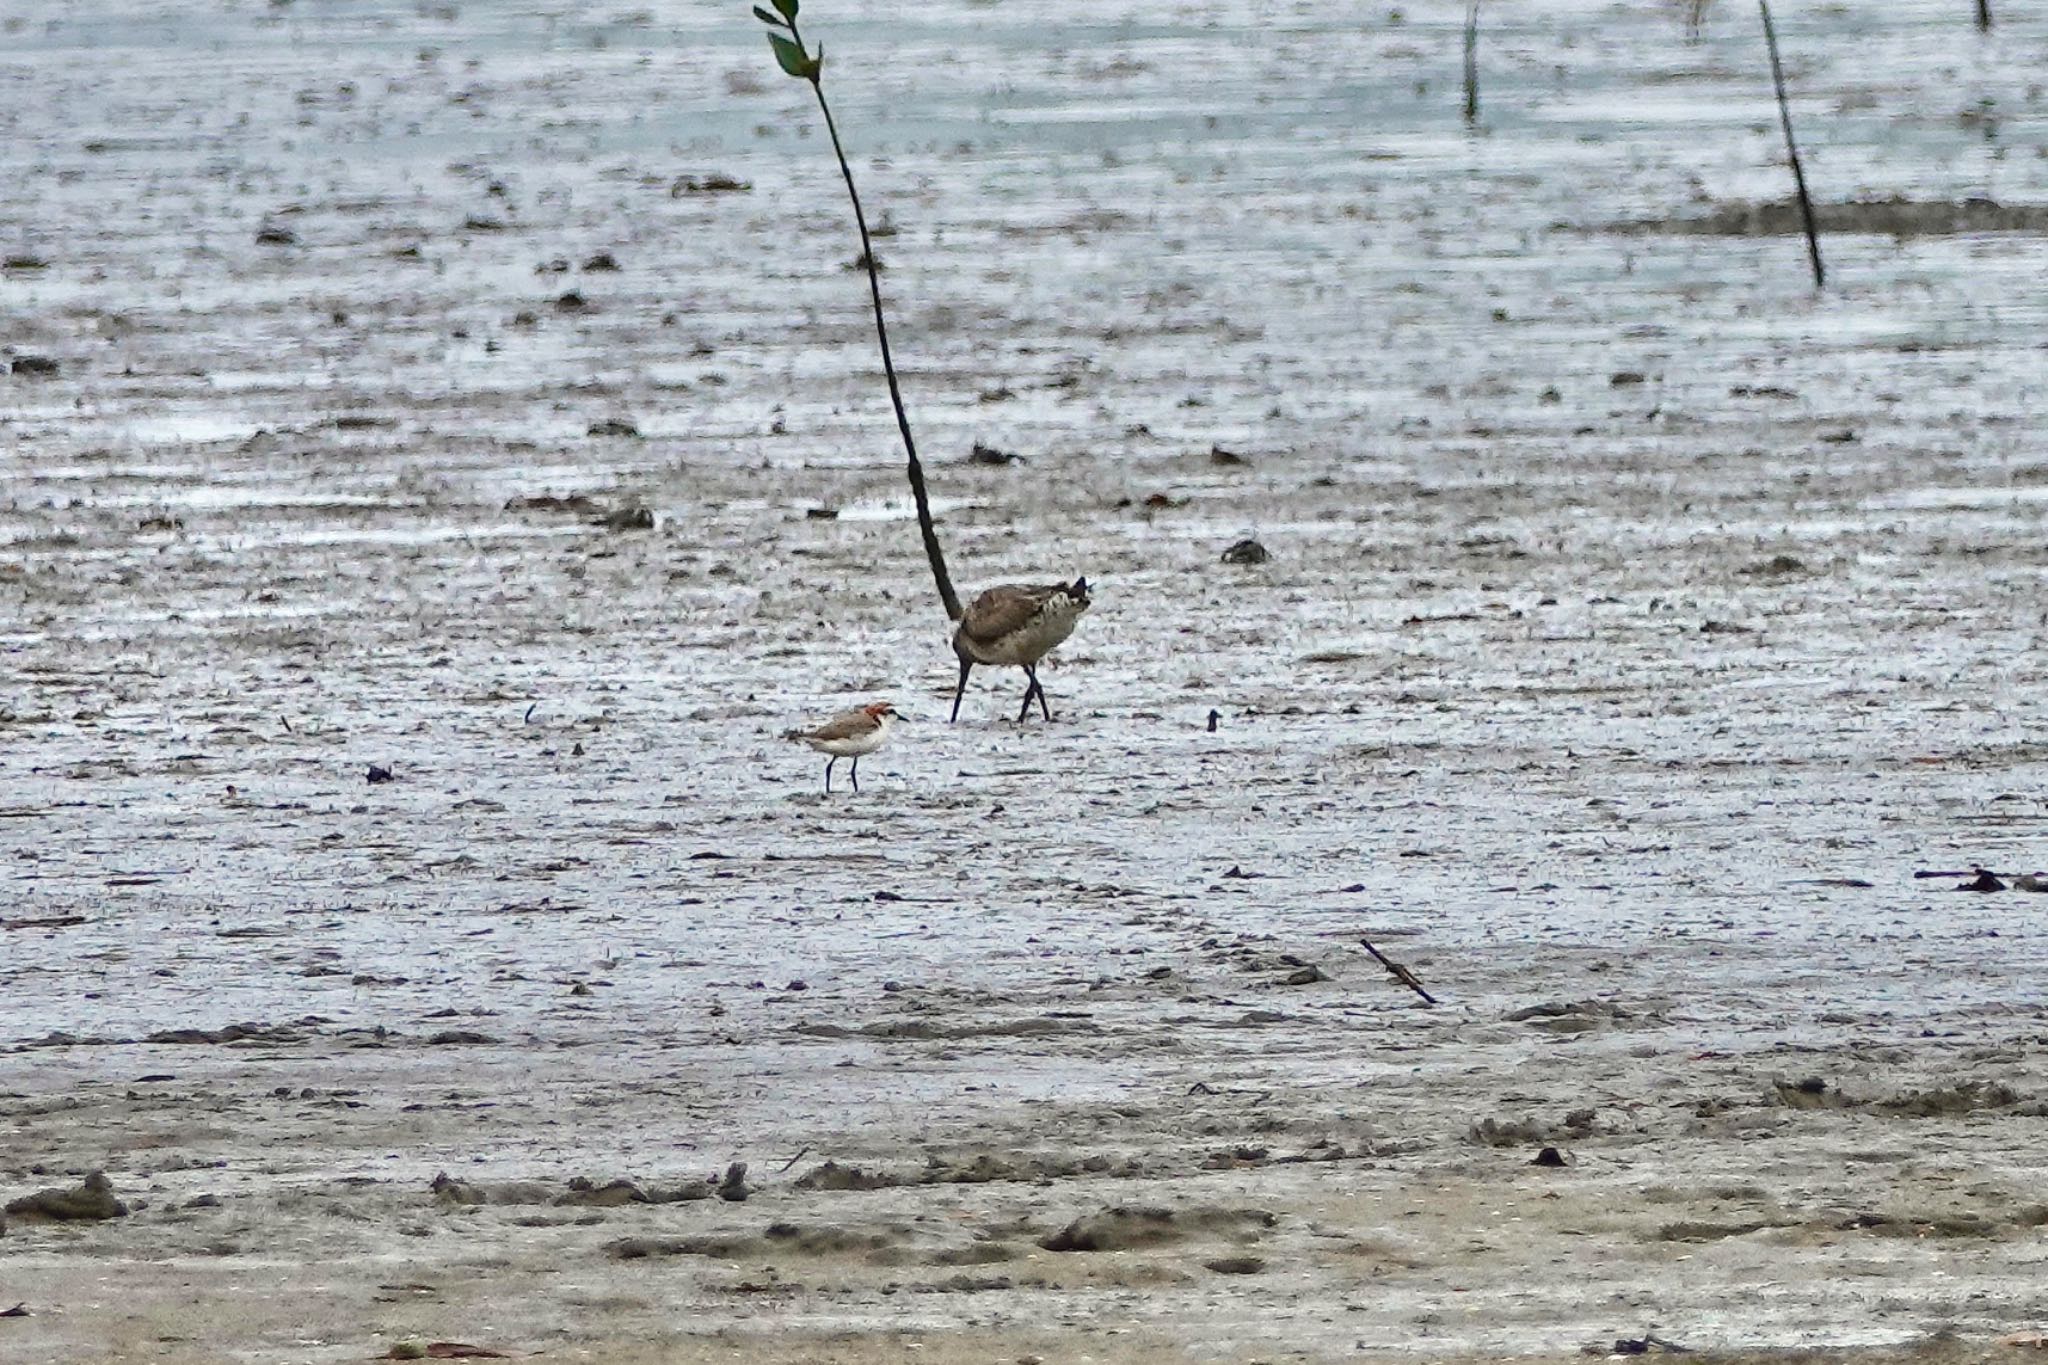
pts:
[479, 394]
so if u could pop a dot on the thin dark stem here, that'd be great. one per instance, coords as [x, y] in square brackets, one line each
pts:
[1472, 63]
[1399, 972]
[1984, 16]
[1792, 150]
[867, 249]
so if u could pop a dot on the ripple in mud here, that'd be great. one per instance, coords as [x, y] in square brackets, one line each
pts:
[614, 1193]
[1896, 217]
[1122, 1229]
[882, 1246]
[1964, 1097]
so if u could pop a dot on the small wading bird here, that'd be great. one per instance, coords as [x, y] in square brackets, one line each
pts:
[1014, 626]
[849, 735]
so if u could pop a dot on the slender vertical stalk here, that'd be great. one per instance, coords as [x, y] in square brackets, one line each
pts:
[930, 533]
[1472, 63]
[1792, 149]
[1984, 16]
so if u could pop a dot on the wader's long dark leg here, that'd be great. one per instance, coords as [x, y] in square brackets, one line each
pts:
[966, 667]
[828, 775]
[856, 774]
[1037, 687]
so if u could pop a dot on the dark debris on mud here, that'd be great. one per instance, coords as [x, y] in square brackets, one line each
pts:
[1896, 216]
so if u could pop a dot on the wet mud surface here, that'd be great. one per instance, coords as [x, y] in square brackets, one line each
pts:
[477, 397]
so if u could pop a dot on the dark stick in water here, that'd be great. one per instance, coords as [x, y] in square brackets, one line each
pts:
[1820, 274]
[1472, 63]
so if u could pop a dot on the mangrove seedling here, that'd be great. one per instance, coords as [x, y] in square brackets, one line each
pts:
[801, 63]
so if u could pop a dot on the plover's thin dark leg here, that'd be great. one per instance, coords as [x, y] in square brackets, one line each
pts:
[856, 774]
[828, 775]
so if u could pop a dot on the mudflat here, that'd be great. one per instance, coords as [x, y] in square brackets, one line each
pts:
[443, 450]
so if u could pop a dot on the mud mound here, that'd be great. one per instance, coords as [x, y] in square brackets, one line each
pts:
[833, 1176]
[1963, 1098]
[90, 1200]
[1122, 1229]
[1576, 1126]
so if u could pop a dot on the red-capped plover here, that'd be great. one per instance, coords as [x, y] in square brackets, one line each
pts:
[849, 735]
[1014, 626]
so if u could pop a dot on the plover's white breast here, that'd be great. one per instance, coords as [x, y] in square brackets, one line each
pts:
[854, 745]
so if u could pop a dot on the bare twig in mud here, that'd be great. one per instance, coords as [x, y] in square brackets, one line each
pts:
[797, 61]
[1792, 149]
[1647, 1343]
[1984, 16]
[801, 1154]
[1204, 1088]
[1984, 879]
[1472, 63]
[1398, 972]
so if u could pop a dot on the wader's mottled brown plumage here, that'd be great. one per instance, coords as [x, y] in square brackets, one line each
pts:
[1014, 626]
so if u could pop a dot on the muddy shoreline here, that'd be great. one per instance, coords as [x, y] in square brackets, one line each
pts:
[478, 397]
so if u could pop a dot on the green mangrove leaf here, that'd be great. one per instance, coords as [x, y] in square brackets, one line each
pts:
[787, 8]
[790, 57]
[765, 17]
